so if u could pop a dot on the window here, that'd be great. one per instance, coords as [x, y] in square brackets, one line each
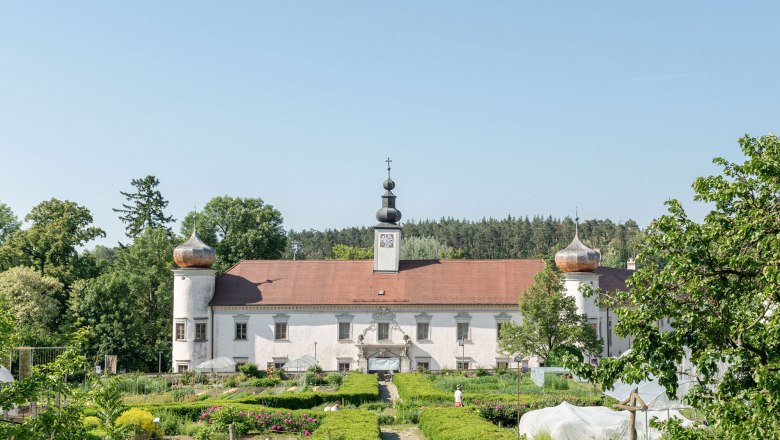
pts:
[423, 328]
[241, 330]
[343, 366]
[279, 364]
[463, 331]
[344, 330]
[200, 331]
[181, 335]
[498, 330]
[502, 365]
[462, 365]
[182, 368]
[280, 331]
[383, 331]
[423, 366]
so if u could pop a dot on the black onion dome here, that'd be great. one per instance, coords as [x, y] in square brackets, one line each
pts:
[194, 253]
[576, 257]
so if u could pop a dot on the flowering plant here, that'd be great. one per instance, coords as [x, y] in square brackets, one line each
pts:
[218, 418]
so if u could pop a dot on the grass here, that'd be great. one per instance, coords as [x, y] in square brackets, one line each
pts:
[507, 384]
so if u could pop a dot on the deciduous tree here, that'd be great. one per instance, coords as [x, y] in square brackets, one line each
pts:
[31, 298]
[549, 320]
[8, 222]
[239, 228]
[718, 282]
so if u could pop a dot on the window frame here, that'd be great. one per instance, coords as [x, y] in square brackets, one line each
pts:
[181, 335]
[348, 327]
[462, 365]
[200, 336]
[459, 334]
[344, 366]
[379, 327]
[281, 332]
[240, 335]
[427, 336]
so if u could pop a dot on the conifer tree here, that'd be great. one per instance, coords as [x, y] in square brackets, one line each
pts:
[144, 207]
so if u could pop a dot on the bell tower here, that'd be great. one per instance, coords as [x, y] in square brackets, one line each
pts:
[387, 234]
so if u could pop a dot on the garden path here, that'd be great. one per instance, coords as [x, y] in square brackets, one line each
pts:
[401, 433]
[388, 392]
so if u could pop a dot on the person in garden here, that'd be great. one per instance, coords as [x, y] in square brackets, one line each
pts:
[459, 395]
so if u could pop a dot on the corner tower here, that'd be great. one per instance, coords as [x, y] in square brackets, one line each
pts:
[578, 262]
[193, 288]
[387, 234]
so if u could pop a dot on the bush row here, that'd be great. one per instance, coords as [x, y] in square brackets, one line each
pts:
[459, 424]
[349, 425]
[356, 389]
[414, 387]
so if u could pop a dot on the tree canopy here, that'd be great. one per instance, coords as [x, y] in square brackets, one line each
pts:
[144, 208]
[239, 229]
[8, 222]
[32, 298]
[549, 321]
[718, 282]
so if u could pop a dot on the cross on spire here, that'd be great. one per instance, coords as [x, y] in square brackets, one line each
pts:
[388, 167]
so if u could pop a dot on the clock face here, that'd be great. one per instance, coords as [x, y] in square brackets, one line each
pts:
[386, 240]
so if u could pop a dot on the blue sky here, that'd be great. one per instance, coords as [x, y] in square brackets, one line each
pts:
[486, 108]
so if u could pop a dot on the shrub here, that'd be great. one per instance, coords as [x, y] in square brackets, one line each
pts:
[385, 419]
[249, 369]
[316, 369]
[219, 418]
[263, 382]
[334, 379]
[407, 413]
[138, 423]
[91, 422]
[459, 424]
[413, 386]
[349, 425]
[375, 406]
[234, 380]
[555, 382]
[479, 372]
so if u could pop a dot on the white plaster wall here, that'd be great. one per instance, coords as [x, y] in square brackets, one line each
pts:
[572, 282]
[387, 259]
[304, 329]
[192, 292]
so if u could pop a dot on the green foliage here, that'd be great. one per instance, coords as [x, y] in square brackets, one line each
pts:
[141, 384]
[217, 420]
[334, 379]
[458, 424]
[8, 222]
[108, 401]
[344, 252]
[250, 370]
[717, 282]
[407, 412]
[557, 355]
[138, 423]
[33, 303]
[424, 248]
[555, 382]
[57, 229]
[145, 208]
[550, 320]
[132, 297]
[234, 380]
[239, 229]
[348, 425]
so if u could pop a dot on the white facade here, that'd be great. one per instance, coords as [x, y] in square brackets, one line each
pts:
[313, 329]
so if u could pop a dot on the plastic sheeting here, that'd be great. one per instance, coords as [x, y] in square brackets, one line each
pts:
[303, 363]
[384, 364]
[651, 392]
[569, 422]
[537, 373]
[5, 375]
[221, 364]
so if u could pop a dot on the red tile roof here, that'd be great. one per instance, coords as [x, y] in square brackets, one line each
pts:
[317, 282]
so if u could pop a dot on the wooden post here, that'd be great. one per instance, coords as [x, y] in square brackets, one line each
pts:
[232, 431]
[632, 404]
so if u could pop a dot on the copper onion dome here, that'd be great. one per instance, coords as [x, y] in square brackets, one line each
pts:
[194, 253]
[387, 213]
[576, 257]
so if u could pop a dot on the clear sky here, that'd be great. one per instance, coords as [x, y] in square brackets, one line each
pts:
[486, 108]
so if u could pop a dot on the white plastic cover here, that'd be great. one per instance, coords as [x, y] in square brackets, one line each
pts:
[537, 373]
[569, 422]
[5, 375]
[384, 364]
[651, 392]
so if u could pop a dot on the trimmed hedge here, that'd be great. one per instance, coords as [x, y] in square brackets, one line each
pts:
[357, 388]
[413, 387]
[192, 411]
[349, 425]
[459, 424]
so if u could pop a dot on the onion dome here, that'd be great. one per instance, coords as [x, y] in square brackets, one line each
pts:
[576, 257]
[387, 213]
[194, 253]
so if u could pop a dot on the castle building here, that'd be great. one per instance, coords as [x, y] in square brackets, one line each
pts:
[385, 314]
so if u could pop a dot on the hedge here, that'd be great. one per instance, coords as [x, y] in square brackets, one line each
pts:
[417, 387]
[357, 388]
[192, 411]
[348, 425]
[459, 424]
